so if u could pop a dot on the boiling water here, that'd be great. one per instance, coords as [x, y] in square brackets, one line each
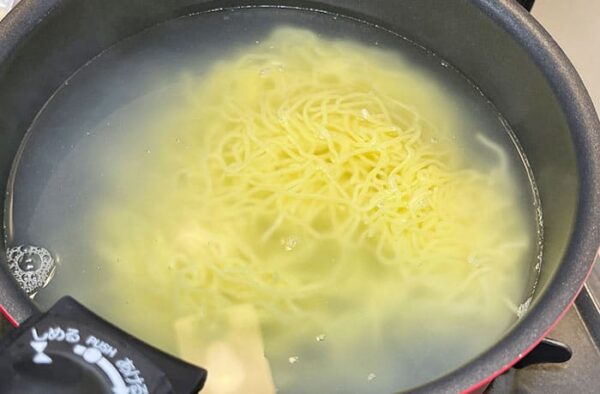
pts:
[101, 180]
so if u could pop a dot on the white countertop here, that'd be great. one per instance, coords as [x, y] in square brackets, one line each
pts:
[5, 6]
[575, 25]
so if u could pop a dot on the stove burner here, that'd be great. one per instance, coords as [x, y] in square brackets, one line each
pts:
[580, 329]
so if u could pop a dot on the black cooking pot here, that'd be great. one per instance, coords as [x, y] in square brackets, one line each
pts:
[495, 43]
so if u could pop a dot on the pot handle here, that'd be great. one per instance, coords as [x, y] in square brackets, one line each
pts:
[527, 4]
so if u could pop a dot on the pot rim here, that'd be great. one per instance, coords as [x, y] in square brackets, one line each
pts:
[583, 245]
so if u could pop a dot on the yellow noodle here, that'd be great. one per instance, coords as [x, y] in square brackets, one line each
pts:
[312, 171]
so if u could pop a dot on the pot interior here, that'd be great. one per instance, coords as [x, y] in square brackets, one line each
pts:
[505, 73]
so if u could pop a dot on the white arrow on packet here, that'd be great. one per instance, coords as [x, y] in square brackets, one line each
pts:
[40, 357]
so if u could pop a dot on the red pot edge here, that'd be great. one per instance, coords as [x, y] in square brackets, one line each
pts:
[480, 386]
[8, 316]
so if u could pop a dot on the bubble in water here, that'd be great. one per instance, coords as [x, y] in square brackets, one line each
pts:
[444, 63]
[473, 260]
[371, 377]
[257, 41]
[293, 359]
[289, 243]
[320, 337]
[282, 116]
[417, 203]
[393, 185]
[264, 72]
[323, 133]
[364, 113]
[523, 308]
